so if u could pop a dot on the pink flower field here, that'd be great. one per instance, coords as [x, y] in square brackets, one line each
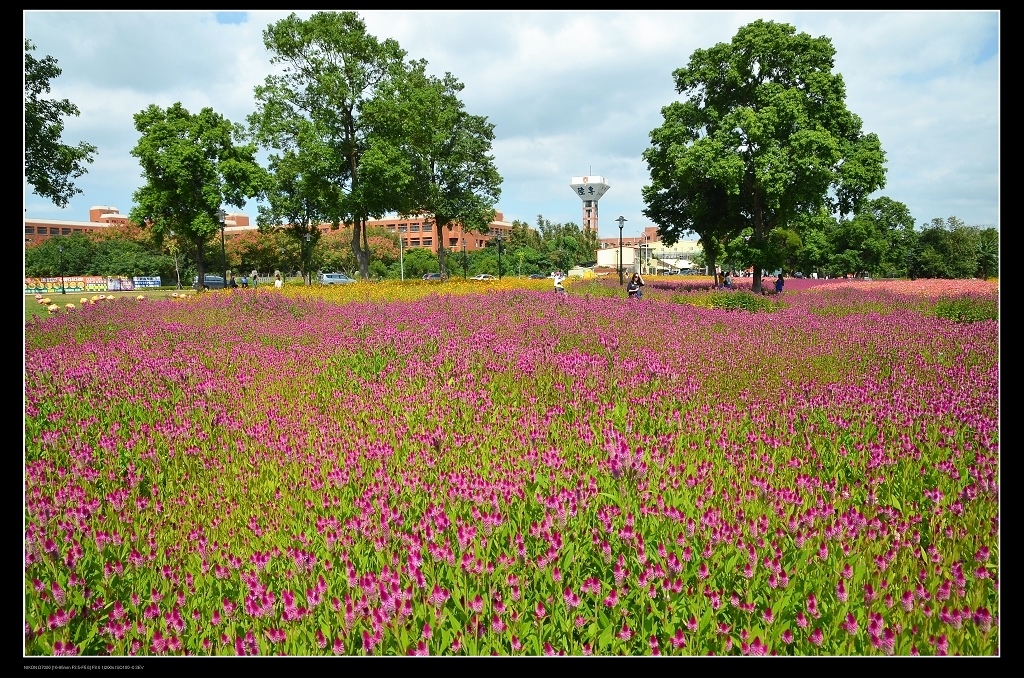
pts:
[508, 472]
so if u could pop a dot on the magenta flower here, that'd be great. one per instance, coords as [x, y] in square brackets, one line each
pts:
[983, 619]
[755, 649]
[850, 624]
[497, 625]
[816, 637]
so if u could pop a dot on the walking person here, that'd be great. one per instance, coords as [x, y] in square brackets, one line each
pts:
[779, 283]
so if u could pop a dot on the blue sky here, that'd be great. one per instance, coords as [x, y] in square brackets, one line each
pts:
[571, 93]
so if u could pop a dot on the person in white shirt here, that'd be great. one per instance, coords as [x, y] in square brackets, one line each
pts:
[278, 283]
[559, 280]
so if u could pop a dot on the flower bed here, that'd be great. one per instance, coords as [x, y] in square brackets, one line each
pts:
[512, 472]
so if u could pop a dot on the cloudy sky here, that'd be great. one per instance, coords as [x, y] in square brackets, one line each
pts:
[571, 93]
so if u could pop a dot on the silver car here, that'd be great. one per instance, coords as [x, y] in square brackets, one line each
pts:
[335, 279]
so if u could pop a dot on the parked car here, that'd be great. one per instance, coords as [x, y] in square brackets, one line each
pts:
[211, 282]
[434, 277]
[335, 279]
[537, 276]
[484, 276]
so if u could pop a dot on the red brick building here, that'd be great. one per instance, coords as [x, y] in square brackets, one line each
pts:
[413, 231]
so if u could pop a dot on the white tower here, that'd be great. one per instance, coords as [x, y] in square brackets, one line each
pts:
[590, 190]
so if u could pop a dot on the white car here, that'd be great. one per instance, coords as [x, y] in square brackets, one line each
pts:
[483, 276]
[335, 279]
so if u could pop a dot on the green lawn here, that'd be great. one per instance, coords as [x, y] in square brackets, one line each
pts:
[33, 309]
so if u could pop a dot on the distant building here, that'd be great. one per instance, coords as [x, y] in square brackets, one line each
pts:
[413, 231]
[101, 217]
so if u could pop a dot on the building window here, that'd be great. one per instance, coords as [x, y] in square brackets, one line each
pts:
[428, 227]
[54, 230]
[415, 242]
[402, 228]
[453, 242]
[30, 229]
[65, 231]
[391, 227]
[415, 228]
[428, 242]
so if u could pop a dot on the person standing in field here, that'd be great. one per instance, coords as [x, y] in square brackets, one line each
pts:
[559, 283]
[779, 283]
[254, 276]
[278, 283]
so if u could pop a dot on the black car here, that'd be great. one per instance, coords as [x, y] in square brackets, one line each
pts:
[537, 276]
[433, 277]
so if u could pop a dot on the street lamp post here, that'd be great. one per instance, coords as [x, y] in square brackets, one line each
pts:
[498, 238]
[60, 263]
[221, 217]
[309, 274]
[621, 221]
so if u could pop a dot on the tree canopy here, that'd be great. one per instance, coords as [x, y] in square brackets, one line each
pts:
[763, 138]
[50, 166]
[444, 152]
[312, 113]
[192, 165]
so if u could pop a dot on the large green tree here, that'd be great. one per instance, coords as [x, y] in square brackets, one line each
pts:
[444, 151]
[50, 166]
[876, 240]
[763, 137]
[988, 252]
[193, 165]
[333, 170]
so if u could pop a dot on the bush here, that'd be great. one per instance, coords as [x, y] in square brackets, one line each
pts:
[730, 301]
[966, 309]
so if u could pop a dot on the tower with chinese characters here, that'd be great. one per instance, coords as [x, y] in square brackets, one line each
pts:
[589, 189]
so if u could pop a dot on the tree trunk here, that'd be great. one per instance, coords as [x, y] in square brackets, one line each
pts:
[441, 259]
[362, 256]
[712, 265]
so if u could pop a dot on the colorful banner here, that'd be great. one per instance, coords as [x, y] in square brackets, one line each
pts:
[77, 284]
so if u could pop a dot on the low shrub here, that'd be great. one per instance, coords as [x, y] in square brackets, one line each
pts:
[966, 309]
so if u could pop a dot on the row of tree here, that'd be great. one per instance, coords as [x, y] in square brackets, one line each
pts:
[879, 240]
[762, 160]
[131, 250]
[355, 131]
